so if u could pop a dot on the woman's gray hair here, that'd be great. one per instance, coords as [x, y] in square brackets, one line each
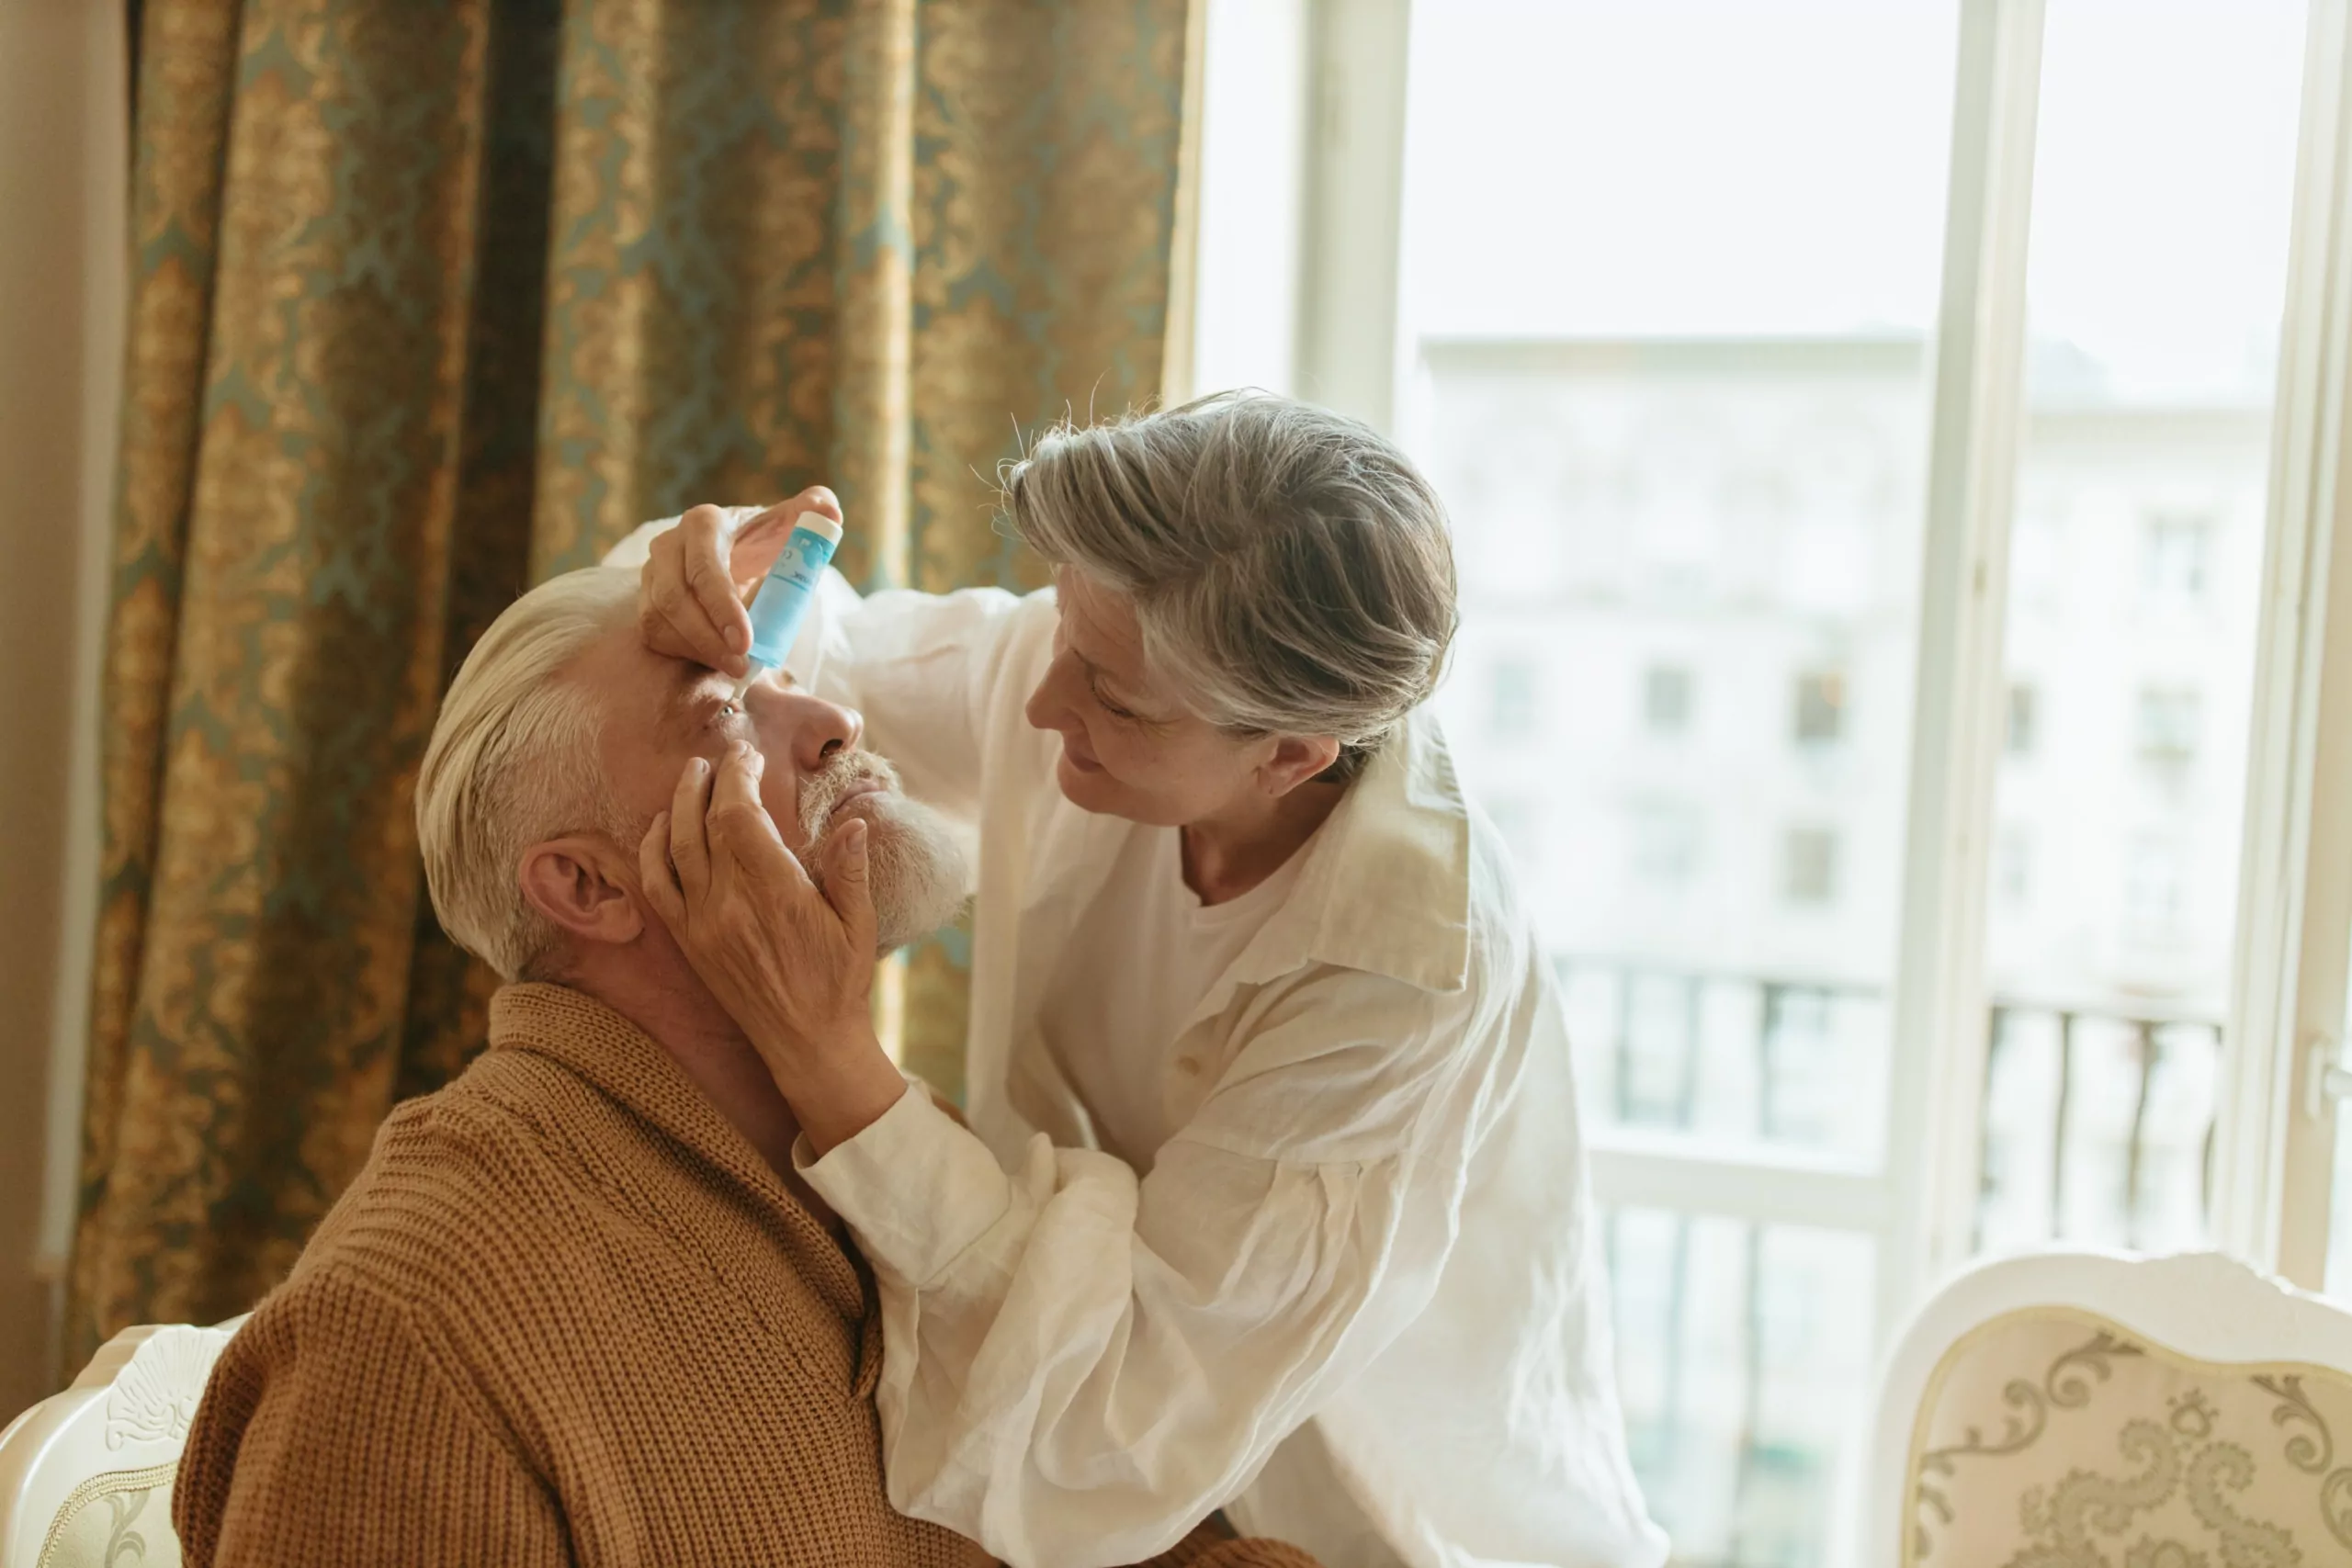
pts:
[1289, 567]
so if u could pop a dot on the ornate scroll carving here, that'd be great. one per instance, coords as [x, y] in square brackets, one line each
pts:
[154, 1397]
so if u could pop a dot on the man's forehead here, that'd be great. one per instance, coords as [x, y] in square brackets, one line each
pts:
[633, 679]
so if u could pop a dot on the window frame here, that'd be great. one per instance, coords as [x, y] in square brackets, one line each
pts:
[2275, 1143]
[2275, 1136]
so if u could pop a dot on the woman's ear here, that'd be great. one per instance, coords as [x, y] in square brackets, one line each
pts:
[1296, 759]
[583, 889]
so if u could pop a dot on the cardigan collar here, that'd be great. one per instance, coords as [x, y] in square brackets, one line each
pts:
[601, 1046]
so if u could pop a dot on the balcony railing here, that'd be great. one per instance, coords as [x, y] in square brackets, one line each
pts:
[1736, 1126]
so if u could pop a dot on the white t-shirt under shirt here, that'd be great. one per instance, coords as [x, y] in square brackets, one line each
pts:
[1146, 954]
[1126, 985]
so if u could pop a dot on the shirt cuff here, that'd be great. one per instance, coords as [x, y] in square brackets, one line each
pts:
[918, 1188]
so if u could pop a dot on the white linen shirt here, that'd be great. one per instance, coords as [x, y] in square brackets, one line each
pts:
[1362, 1264]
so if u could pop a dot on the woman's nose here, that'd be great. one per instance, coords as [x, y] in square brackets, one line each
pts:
[1046, 707]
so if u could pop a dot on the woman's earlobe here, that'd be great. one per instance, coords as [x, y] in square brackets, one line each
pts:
[1296, 760]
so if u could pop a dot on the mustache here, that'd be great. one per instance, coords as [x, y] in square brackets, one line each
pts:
[823, 790]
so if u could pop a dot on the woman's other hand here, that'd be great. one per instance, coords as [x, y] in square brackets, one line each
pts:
[692, 591]
[792, 963]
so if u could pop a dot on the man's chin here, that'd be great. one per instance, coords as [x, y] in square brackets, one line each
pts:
[916, 868]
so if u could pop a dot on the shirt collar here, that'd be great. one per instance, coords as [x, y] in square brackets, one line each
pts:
[1385, 889]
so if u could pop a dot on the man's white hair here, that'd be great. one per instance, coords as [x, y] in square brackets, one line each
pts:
[514, 761]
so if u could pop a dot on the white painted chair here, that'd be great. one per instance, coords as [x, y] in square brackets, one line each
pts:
[85, 1476]
[2101, 1409]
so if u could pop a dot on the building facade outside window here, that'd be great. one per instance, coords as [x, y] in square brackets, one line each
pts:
[1666, 699]
[1820, 707]
[1809, 866]
[2023, 715]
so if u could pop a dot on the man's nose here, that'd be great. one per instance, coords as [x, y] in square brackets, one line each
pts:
[815, 729]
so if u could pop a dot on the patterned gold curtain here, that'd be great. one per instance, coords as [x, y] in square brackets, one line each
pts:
[432, 299]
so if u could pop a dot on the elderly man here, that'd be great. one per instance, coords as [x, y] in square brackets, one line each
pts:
[578, 1308]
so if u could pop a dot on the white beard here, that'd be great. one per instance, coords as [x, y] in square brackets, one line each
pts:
[916, 870]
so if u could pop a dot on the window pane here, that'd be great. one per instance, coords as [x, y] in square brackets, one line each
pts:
[1683, 443]
[1666, 698]
[2155, 278]
[1821, 705]
[1744, 1354]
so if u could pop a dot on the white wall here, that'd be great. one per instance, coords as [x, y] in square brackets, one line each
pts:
[63, 147]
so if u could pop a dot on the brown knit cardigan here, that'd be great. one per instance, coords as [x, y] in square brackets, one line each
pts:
[566, 1314]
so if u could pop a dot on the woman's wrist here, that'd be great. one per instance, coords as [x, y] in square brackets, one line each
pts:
[837, 1088]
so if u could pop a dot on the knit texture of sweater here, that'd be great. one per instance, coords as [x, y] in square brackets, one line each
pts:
[565, 1315]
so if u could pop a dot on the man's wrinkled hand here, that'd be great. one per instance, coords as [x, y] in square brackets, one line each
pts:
[695, 583]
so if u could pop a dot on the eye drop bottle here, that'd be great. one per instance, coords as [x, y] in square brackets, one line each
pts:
[784, 595]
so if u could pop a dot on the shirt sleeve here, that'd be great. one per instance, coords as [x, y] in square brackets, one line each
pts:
[1079, 1364]
[924, 670]
[327, 1435]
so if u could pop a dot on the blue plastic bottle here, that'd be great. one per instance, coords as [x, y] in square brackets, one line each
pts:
[790, 586]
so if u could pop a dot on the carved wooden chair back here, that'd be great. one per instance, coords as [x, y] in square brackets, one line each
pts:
[86, 1476]
[2104, 1408]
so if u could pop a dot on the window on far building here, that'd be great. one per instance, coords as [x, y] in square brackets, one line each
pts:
[2168, 723]
[2024, 713]
[1665, 845]
[2152, 890]
[2013, 865]
[2174, 551]
[1512, 697]
[1666, 699]
[1821, 706]
[1809, 866]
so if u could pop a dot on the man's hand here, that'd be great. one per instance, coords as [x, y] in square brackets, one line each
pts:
[794, 966]
[690, 597]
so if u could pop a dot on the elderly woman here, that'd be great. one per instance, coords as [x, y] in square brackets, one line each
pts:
[1272, 1199]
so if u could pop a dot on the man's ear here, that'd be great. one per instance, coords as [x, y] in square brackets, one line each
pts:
[580, 885]
[1296, 759]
